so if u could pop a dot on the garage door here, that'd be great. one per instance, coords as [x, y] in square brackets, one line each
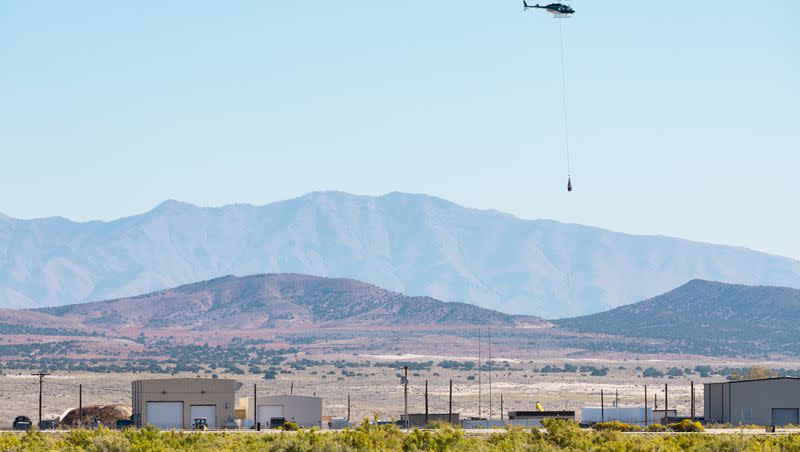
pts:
[267, 412]
[165, 414]
[207, 411]
[783, 416]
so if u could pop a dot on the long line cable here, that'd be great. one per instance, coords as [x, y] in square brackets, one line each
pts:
[566, 138]
[564, 95]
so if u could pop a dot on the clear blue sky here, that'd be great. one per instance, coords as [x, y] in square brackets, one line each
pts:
[685, 117]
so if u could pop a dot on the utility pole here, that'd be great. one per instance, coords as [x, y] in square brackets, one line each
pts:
[692, 410]
[291, 388]
[480, 388]
[255, 407]
[80, 405]
[489, 362]
[348, 409]
[602, 407]
[41, 376]
[666, 403]
[450, 410]
[655, 406]
[616, 398]
[426, 403]
[501, 407]
[405, 394]
[645, 405]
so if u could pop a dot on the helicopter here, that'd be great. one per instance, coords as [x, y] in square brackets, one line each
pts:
[555, 8]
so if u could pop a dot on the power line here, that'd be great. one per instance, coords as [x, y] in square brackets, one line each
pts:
[489, 362]
[480, 387]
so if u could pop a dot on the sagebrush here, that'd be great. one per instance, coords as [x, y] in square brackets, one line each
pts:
[557, 435]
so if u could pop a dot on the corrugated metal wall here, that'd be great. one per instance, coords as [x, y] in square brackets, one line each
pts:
[190, 391]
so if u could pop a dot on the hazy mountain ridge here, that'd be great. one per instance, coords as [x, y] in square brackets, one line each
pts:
[414, 244]
[263, 302]
[708, 318]
[700, 317]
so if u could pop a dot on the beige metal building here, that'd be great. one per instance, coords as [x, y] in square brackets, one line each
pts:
[173, 403]
[305, 410]
[772, 401]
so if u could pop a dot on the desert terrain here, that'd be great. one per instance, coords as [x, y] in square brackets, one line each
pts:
[373, 382]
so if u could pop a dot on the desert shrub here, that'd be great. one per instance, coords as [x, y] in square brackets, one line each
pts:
[652, 372]
[80, 438]
[290, 426]
[34, 440]
[566, 434]
[9, 441]
[517, 438]
[109, 443]
[704, 371]
[751, 427]
[560, 435]
[656, 428]
[438, 425]
[617, 426]
[443, 440]
[686, 425]
[674, 372]
[714, 425]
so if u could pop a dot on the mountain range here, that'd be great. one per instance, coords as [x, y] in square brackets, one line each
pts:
[700, 317]
[414, 244]
[707, 318]
[269, 301]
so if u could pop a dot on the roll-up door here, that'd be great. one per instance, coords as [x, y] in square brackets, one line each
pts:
[166, 415]
[207, 411]
[783, 416]
[267, 412]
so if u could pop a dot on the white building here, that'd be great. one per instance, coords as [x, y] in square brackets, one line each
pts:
[305, 410]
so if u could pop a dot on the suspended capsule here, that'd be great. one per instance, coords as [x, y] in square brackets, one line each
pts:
[569, 183]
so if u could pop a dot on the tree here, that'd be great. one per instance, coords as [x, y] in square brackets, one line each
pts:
[652, 373]
[759, 373]
[674, 372]
[704, 371]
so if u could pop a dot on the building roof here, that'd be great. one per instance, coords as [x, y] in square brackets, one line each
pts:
[181, 379]
[288, 396]
[752, 380]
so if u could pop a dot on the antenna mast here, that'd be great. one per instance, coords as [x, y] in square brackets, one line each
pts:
[480, 388]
